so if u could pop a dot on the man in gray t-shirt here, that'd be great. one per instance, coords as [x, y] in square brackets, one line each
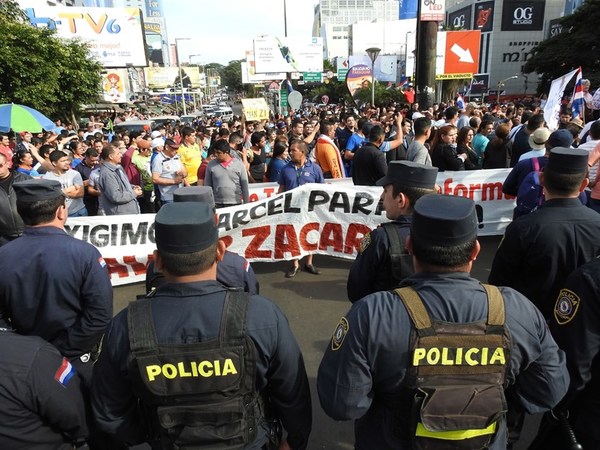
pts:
[70, 180]
[417, 152]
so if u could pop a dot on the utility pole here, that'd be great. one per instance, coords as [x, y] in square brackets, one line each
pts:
[425, 60]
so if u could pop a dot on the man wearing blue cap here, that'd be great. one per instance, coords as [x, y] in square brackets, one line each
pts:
[198, 365]
[53, 285]
[232, 271]
[383, 261]
[429, 362]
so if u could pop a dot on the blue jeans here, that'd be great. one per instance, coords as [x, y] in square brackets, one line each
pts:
[81, 213]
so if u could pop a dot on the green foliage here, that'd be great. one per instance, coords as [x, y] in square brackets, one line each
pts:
[231, 76]
[11, 12]
[49, 74]
[383, 95]
[577, 45]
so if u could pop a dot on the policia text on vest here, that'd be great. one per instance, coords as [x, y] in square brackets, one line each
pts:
[206, 369]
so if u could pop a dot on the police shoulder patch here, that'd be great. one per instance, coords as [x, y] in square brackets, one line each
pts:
[341, 330]
[366, 240]
[566, 306]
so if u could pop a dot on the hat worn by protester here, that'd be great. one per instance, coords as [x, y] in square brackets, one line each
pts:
[180, 229]
[577, 122]
[158, 142]
[567, 161]
[155, 134]
[537, 140]
[560, 138]
[171, 143]
[36, 190]
[410, 174]
[202, 194]
[444, 220]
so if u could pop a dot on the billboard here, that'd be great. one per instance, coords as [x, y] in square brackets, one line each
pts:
[484, 16]
[554, 28]
[115, 85]
[358, 77]
[167, 77]
[272, 54]
[386, 66]
[433, 10]
[479, 84]
[115, 35]
[250, 77]
[460, 19]
[523, 15]
[249, 74]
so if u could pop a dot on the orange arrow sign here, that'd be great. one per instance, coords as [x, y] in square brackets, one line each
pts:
[462, 52]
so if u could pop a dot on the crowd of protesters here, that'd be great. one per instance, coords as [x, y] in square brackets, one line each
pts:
[107, 172]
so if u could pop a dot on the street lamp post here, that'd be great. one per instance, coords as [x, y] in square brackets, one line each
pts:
[180, 72]
[501, 83]
[373, 53]
[406, 55]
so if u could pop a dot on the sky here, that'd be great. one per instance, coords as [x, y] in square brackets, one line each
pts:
[223, 31]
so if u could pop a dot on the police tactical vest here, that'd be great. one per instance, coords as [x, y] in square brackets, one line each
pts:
[199, 395]
[457, 373]
[401, 262]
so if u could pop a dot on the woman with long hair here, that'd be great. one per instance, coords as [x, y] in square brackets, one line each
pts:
[444, 155]
[497, 152]
[279, 159]
[464, 145]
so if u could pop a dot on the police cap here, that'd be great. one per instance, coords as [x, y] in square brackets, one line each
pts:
[567, 160]
[36, 190]
[444, 220]
[180, 229]
[195, 194]
[410, 174]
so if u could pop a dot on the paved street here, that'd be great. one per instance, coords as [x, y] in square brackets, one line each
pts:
[313, 305]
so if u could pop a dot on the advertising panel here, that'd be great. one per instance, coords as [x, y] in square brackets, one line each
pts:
[460, 19]
[115, 35]
[386, 66]
[358, 76]
[523, 15]
[433, 10]
[167, 77]
[114, 86]
[272, 54]
[554, 28]
[250, 74]
[484, 16]
[479, 84]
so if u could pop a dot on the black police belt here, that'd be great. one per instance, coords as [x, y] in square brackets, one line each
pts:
[203, 393]
[458, 373]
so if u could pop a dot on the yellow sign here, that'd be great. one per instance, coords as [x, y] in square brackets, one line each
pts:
[454, 76]
[255, 108]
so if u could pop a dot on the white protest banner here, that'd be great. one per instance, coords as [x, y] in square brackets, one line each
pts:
[328, 219]
[255, 108]
[552, 106]
[290, 54]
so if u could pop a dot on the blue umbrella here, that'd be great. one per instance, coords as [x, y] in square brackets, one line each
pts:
[23, 118]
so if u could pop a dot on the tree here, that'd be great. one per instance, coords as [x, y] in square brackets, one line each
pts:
[43, 71]
[577, 45]
[231, 76]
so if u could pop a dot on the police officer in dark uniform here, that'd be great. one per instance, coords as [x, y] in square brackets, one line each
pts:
[232, 271]
[540, 249]
[42, 401]
[442, 333]
[198, 365]
[383, 261]
[53, 285]
[576, 327]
